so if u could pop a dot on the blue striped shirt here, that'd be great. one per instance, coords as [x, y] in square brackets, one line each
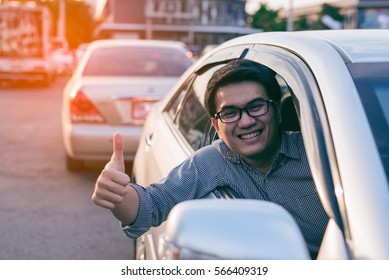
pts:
[288, 183]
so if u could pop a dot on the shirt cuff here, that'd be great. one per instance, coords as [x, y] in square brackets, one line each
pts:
[143, 221]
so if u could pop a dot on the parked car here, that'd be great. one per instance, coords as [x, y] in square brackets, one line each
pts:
[79, 52]
[112, 89]
[336, 92]
[62, 57]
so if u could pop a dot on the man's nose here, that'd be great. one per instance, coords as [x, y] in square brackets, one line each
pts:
[246, 119]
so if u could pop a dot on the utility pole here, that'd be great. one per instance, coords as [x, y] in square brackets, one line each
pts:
[290, 17]
[61, 20]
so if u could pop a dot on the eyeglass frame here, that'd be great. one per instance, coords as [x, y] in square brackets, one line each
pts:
[246, 109]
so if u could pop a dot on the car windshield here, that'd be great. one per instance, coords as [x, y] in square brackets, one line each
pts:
[136, 61]
[372, 81]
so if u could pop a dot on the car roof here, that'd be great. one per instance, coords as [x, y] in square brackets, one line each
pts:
[362, 45]
[140, 42]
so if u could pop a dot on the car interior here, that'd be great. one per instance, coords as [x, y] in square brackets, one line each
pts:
[290, 120]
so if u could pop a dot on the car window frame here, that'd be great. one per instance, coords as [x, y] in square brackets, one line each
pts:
[214, 61]
[182, 114]
[310, 108]
[172, 110]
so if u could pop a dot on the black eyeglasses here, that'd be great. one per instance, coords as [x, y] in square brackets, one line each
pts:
[253, 109]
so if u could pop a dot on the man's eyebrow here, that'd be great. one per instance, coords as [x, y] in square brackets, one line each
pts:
[258, 99]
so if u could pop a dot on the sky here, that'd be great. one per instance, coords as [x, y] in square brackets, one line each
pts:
[253, 5]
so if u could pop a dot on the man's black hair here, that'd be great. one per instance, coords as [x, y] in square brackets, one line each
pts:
[237, 71]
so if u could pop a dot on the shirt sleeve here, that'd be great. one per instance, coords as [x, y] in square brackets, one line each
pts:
[181, 184]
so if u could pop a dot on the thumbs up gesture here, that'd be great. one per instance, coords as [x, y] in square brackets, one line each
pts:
[117, 159]
[112, 184]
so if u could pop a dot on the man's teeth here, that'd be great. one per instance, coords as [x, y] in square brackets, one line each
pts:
[250, 135]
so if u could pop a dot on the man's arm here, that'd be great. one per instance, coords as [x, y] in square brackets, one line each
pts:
[112, 189]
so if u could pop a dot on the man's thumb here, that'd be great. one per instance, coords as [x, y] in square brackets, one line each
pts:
[117, 156]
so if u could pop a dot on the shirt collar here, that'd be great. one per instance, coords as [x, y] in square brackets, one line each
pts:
[288, 146]
[288, 149]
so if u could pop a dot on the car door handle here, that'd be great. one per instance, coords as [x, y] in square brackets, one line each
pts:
[149, 139]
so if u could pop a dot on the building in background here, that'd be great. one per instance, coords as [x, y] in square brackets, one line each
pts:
[373, 14]
[360, 14]
[199, 23]
[196, 22]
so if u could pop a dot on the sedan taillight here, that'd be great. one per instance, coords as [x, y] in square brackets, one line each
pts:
[141, 107]
[82, 110]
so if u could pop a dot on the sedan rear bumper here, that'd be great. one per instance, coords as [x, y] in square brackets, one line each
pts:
[94, 142]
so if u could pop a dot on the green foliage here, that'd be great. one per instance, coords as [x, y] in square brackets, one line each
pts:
[303, 23]
[267, 19]
[79, 21]
[331, 11]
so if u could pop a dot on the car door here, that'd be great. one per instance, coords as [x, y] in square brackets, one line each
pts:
[340, 147]
[298, 81]
[341, 151]
[185, 118]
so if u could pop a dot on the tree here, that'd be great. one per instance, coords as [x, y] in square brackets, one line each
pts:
[267, 19]
[333, 12]
[80, 22]
[303, 23]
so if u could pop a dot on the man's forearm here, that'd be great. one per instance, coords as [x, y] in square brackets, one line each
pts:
[127, 211]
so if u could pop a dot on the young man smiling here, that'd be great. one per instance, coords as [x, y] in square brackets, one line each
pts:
[252, 156]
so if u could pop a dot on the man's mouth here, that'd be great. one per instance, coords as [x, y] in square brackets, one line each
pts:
[250, 135]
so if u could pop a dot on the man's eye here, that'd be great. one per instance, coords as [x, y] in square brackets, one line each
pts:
[229, 113]
[257, 107]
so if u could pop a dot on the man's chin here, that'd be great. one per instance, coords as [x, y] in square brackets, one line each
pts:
[251, 152]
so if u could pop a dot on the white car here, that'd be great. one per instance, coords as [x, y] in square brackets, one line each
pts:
[62, 57]
[336, 92]
[112, 89]
[63, 61]
[79, 52]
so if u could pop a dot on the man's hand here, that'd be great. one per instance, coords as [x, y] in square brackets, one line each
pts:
[112, 185]
[117, 159]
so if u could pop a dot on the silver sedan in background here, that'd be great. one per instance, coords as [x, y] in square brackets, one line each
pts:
[114, 86]
[336, 92]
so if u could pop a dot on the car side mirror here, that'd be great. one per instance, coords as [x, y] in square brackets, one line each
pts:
[231, 229]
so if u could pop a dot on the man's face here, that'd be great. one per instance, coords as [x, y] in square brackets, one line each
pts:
[254, 138]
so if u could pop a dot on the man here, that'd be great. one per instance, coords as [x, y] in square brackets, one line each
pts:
[252, 156]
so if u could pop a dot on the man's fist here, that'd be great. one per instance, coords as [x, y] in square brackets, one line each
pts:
[112, 184]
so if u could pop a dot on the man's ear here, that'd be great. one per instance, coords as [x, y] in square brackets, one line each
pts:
[215, 124]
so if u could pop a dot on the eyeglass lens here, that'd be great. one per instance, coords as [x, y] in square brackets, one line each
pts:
[253, 110]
